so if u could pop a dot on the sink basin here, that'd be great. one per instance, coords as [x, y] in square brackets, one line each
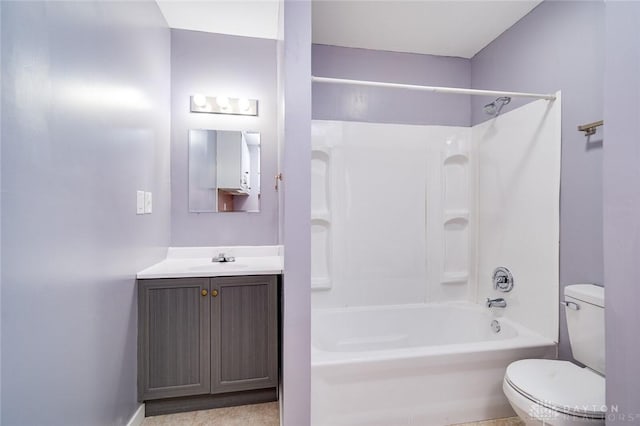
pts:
[196, 262]
[218, 266]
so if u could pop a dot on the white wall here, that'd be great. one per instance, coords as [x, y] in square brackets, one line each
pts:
[518, 211]
[391, 220]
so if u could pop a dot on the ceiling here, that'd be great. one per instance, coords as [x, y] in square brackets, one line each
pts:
[249, 18]
[446, 27]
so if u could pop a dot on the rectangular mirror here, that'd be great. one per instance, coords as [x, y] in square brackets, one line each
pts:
[224, 171]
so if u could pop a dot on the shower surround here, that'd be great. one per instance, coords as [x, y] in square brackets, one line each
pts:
[388, 202]
[408, 223]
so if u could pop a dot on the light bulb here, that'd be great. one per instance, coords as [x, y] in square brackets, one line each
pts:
[223, 102]
[244, 104]
[200, 100]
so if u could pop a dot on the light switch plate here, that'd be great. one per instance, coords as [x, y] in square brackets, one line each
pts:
[148, 203]
[139, 202]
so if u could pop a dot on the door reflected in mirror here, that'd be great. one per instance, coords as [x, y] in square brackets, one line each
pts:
[224, 171]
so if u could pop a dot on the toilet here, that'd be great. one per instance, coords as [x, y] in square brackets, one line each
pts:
[560, 393]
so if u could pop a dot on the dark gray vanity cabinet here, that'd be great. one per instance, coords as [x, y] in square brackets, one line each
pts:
[201, 336]
[173, 337]
[244, 349]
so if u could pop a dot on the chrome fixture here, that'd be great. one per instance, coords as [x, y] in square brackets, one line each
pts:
[502, 279]
[494, 108]
[435, 89]
[496, 303]
[495, 326]
[224, 105]
[571, 305]
[221, 258]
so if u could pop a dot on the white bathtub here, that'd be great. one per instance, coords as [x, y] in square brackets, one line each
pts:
[427, 365]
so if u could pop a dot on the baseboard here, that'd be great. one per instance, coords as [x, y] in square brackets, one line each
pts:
[160, 407]
[138, 417]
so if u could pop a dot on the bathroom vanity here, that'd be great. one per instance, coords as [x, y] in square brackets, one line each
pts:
[208, 331]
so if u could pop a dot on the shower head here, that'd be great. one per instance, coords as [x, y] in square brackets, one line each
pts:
[494, 108]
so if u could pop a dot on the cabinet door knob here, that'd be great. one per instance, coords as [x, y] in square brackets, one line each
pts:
[214, 293]
[204, 292]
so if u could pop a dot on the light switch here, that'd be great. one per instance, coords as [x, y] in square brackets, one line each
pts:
[139, 202]
[148, 203]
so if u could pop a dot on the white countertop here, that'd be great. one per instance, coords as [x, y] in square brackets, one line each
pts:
[182, 262]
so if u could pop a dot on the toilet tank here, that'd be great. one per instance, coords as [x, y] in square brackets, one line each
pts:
[584, 306]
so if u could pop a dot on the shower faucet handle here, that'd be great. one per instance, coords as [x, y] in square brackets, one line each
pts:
[502, 279]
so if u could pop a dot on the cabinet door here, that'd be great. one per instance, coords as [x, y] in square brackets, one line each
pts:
[174, 338]
[244, 333]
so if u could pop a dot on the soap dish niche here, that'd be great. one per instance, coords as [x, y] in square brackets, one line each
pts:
[455, 158]
[320, 181]
[455, 146]
[455, 224]
[321, 283]
[460, 217]
[320, 254]
[460, 277]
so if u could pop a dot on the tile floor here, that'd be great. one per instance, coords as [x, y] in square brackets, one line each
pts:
[260, 415]
[508, 421]
[243, 415]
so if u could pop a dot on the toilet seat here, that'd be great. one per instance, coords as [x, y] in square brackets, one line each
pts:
[560, 386]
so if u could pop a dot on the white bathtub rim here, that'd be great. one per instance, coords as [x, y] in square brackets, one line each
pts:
[525, 339]
[322, 358]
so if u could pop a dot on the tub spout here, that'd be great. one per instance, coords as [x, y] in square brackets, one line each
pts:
[496, 303]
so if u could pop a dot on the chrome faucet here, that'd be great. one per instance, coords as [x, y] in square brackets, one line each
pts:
[501, 279]
[496, 303]
[221, 258]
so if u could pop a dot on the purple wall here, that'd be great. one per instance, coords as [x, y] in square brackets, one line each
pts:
[622, 209]
[85, 123]
[560, 46]
[380, 105]
[217, 64]
[296, 156]
[1, 86]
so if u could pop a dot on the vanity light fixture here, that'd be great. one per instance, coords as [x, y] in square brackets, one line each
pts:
[244, 104]
[199, 100]
[222, 102]
[224, 105]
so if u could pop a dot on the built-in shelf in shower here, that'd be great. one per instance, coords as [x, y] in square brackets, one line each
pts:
[455, 175]
[461, 215]
[320, 254]
[455, 157]
[456, 189]
[321, 283]
[320, 185]
[455, 277]
[320, 219]
[323, 215]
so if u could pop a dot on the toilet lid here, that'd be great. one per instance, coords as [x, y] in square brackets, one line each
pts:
[559, 385]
